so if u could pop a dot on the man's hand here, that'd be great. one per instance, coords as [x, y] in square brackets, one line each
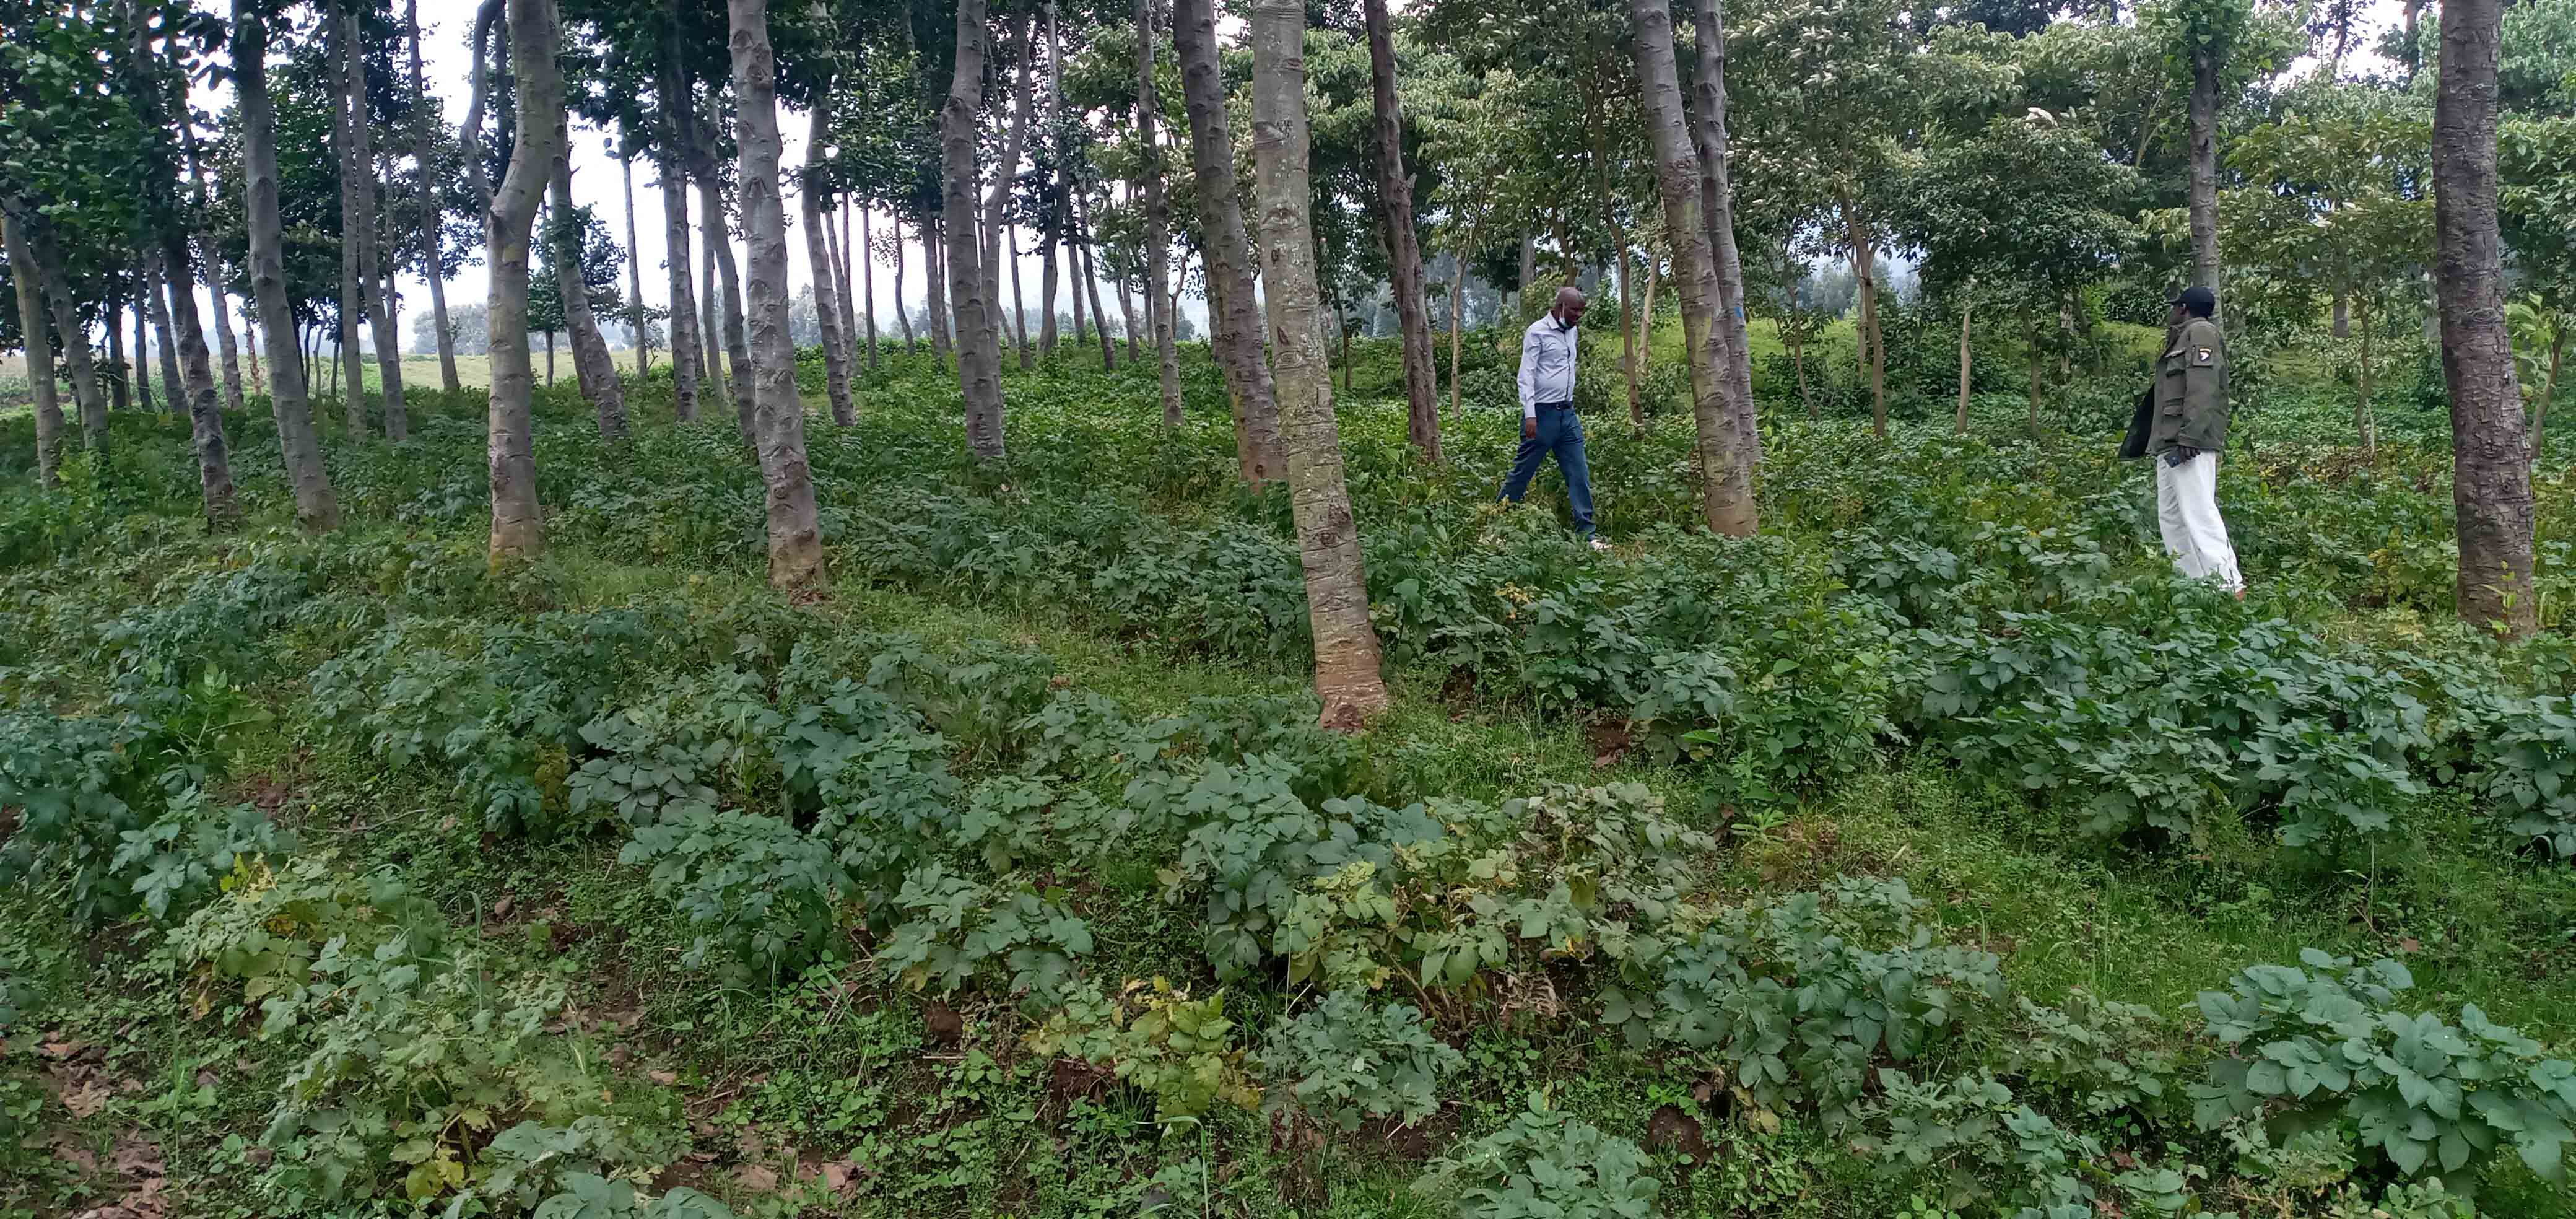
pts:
[1529, 427]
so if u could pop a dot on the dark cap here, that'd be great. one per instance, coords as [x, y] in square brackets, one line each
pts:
[2200, 301]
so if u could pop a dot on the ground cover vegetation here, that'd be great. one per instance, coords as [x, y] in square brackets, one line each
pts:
[992, 763]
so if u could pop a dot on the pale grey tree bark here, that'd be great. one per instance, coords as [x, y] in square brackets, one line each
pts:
[316, 507]
[1234, 316]
[997, 200]
[1726, 469]
[979, 353]
[156, 300]
[688, 354]
[379, 311]
[818, 253]
[348, 361]
[795, 527]
[539, 146]
[1158, 219]
[39, 347]
[867, 259]
[1328, 541]
[424, 148]
[637, 327]
[591, 363]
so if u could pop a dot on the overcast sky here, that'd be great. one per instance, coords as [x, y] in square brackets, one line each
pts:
[446, 24]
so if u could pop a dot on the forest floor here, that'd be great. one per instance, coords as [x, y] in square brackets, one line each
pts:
[1879, 866]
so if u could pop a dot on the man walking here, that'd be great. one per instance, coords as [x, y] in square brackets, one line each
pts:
[2181, 424]
[1548, 422]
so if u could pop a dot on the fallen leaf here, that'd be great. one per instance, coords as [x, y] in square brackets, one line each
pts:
[840, 1176]
[86, 1100]
[501, 908]
[207, 1079]
[2409, 944]
[758, 1178]
[664, 1078]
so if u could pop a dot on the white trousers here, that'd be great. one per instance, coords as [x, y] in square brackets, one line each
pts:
[2187, 508]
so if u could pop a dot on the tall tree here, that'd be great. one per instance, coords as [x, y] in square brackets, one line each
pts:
[639, 323]
[795, 528]
[671, 96]
[342, 51]
[1328, 540]
[1006, 168]
[979, 356]
[1717, 210]
[818, 254]
[424, 150]
[2491, 480]
[1723, 448]
[227, 347]
[591, 363]
[379, 315]
[1158, 219]
[1403, 245]
[34, 336]
[538, 145]
[316, 507]
[1234, 315]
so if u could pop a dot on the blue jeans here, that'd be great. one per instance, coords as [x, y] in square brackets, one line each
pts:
[1560, 432]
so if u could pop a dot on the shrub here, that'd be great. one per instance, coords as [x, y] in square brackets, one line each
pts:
[1347, 1058]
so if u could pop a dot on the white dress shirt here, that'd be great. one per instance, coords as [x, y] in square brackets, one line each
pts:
[1547, 364]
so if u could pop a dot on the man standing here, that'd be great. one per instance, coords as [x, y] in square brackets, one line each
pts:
[1548, 421]
[2181, 424]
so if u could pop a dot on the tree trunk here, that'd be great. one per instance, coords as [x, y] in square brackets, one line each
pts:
[729, 302]
[539, 146]
[1618, 252]
[2203, 192]
[979, 354]
[1873, 345]
[174, 386]
[227, 345]
[1158, 219]
[550, 360]
[635, 323]
[717, 389]
[316, 508]
[795, 528]
[1720, 445]
[1967, 307]
[827, 295]
[1019, 307]
[1073, 273]
[348, 360]
[39, 347]
[1529, 271]
[1091, 283]
[1717, 210]
[1234, 316]
[1457, 316]
[1404, 249]
[2490, 484]
[55, 281]
[934, 266]
[1328, 542]
[424, 150]
[1047, 329]
[120, 374]
[688, 349]
[996, 200]
[362, 160]
[591, 363]
[1646, 310]
[901, 314]
[140, 368]
[868, 279]
[849, 293]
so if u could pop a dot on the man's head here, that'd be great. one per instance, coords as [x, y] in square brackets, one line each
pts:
[1569, 307]
[2194, 302]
